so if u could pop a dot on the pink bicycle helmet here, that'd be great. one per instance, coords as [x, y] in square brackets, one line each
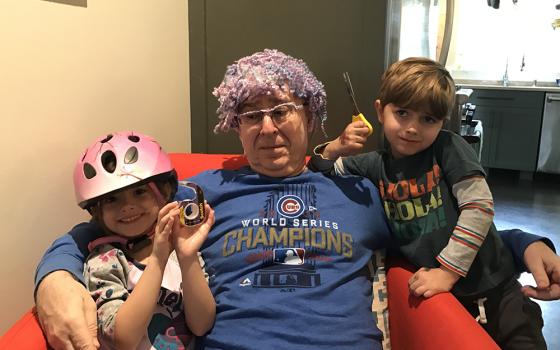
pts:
[118, 160]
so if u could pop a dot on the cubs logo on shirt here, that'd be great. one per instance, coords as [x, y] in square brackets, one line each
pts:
[290, 206]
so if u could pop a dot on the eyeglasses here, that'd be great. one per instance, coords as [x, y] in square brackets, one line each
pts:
[279, 114]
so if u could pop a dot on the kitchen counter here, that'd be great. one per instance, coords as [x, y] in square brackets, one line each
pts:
[512, 85]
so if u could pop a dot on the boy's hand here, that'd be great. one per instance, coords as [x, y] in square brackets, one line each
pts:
[350, 142]
[429, 282]
[164, 227]
[188, 239]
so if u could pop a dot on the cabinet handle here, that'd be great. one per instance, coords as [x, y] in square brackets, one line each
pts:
[552, 98]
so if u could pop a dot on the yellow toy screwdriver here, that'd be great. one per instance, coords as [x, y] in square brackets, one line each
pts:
[356, 114]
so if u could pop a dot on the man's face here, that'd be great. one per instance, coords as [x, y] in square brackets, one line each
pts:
[276, 145]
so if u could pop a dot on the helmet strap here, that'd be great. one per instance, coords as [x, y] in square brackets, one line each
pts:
[161, 202]
[157, 193]
[131, 244]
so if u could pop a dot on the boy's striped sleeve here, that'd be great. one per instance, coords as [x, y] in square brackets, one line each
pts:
[476, 209]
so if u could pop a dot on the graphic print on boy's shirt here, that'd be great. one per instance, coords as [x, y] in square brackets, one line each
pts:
[289, 237]
[414, 206]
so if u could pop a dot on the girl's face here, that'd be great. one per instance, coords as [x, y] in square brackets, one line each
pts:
[130, 212]
[408, 131]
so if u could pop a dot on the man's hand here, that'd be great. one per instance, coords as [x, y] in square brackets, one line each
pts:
[350, 142]
[544, 264]
[429, 282]
[67, 313]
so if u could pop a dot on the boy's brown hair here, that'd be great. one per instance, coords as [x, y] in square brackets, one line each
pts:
[419, 83]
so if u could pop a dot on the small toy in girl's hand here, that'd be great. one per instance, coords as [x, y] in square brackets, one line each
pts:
[192, 209]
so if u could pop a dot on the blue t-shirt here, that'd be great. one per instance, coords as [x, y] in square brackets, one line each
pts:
[287, 260]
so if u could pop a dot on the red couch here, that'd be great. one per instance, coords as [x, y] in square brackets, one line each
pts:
[436, 323]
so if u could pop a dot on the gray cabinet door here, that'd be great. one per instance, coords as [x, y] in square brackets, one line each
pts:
[511, 122]
[517, 139]
[332, 36]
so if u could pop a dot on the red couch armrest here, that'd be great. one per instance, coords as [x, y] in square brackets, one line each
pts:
[439, 322]
[25, 334]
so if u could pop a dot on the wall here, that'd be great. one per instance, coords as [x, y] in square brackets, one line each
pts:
[71, 70]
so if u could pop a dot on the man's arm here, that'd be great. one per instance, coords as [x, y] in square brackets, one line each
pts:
[65, 309]
[66, 312]
[518, 241]
[68, 252]
[537, 255]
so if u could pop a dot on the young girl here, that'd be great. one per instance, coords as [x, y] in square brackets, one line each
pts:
[125, 180]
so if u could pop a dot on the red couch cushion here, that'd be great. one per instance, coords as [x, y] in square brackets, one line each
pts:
[25, 334]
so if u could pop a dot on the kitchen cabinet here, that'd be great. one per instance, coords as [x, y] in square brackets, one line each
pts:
[512, 123]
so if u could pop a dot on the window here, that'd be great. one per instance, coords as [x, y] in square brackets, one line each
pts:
[521, 35]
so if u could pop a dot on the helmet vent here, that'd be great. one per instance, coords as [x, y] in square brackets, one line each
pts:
[109, 161]
[107, 138]
[89, 171]
[134, 138]
[131, 155]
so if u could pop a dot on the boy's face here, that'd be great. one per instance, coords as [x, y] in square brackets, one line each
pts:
[408, 131]
[130, 212]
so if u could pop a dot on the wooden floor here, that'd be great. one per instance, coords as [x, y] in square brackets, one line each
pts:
[533, 206]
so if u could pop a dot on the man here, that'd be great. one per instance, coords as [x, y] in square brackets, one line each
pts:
[288, 252]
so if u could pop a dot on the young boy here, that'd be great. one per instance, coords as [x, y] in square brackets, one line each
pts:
[437, 201]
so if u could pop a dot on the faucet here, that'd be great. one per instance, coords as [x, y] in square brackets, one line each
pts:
[505, 79]
[522, 63]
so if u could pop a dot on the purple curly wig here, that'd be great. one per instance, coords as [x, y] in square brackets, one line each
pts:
[262, 73]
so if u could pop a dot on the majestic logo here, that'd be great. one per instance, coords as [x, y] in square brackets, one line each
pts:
[246, 282]
[290, 206]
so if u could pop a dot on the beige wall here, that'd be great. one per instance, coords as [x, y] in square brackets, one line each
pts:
[71, 70]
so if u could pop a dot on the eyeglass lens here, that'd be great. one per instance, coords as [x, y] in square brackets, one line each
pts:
[278, 114]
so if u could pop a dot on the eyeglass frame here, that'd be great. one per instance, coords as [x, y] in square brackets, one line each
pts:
[266, 111]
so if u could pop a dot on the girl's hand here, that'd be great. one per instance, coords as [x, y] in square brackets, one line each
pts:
[162, 245]
[350, 142]
[187, 240]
